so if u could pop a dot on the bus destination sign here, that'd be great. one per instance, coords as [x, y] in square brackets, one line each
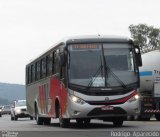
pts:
[84, 46]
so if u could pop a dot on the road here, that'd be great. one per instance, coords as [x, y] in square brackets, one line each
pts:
[97, 128]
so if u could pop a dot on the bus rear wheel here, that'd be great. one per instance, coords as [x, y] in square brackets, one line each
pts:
[31, 118]
[64, 122]
[47, 121]
[39, 120]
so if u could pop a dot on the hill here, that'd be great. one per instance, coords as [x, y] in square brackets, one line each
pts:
[10, 92]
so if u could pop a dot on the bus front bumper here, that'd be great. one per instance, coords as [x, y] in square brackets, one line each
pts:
[77, 110]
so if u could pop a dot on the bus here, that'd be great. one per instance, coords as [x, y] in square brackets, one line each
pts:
[83, 78]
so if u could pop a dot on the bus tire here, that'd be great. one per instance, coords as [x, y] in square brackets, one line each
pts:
[15, 118]
[117, 122]
[47, 121]
[137, 117]
[142, 117]
[39, 120]
[31, 118]
[157, 116]
[146, 119]
[63, 122]
[12, 118]
[130, 118]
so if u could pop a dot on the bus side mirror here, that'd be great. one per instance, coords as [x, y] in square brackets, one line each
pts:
[138, 56]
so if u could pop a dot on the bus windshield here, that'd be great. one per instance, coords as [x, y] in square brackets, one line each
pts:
[102, 65]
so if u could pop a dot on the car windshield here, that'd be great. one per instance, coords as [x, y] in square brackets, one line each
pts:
[21, 103]
[6, 107]
[102, 65]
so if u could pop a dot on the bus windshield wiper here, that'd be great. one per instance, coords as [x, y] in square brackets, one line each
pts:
[132, 84]
[100, 69]
[107, 68]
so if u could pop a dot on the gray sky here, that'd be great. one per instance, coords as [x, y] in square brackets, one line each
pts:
[30, 27]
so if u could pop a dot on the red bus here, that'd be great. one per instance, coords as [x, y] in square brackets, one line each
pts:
[85, 78]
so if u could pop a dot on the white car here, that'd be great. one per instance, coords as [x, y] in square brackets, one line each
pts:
[6, 109]
[19, 110]
[0, 111]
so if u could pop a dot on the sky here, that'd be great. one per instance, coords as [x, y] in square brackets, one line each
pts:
[30, 27]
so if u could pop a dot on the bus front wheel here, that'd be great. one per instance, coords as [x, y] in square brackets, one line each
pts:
[157, 116]
[117, 123]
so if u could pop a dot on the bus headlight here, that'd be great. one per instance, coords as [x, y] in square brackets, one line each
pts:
[134, 98]
[77, 100]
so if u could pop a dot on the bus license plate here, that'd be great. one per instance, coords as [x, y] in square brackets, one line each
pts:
[107, 108]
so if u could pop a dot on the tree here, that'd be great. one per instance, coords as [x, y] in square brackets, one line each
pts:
[147, 37]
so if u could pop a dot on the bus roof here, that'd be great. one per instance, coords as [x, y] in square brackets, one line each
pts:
[85, 39]
[96, 38]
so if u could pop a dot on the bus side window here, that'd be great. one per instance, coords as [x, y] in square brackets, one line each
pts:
[47, 65]
[43, 67]
[57, 62]
[63, 73]
[49, 61]
[33, 73]
[53, 61]
[29, 75]
[38, 70]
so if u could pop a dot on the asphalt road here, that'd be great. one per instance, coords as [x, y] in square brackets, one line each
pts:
[27, 128]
